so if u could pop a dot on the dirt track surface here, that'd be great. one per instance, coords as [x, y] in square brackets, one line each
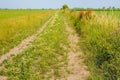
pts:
[75, 63]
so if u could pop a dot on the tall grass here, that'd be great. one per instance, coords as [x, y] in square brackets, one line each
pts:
[101, 43]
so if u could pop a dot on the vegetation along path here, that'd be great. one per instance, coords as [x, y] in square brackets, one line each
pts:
[75, 63]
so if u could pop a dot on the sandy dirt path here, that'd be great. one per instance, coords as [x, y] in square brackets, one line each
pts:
[76, 65]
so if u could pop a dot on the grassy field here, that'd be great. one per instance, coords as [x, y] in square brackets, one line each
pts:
[16, 25]
[41, 60]
[47, 57]
[7, 14]
[100, 40]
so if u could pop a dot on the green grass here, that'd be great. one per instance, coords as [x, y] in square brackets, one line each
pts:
[8, 14]
[15, 29]
[44, 59]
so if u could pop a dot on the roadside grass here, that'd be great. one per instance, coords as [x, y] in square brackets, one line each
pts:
[14, 30]
[100, 41]
[45, 59]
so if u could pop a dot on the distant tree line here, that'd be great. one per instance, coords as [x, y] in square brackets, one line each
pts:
[66, 7]
[97, 9]
[28, 9]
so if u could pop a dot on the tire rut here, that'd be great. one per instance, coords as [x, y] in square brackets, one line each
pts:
[75, 64]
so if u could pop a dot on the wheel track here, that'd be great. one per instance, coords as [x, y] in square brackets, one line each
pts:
[75, 64]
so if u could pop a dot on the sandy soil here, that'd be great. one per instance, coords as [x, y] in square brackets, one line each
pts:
[76, 65]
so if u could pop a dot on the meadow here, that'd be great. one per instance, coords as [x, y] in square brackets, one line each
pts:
[97, 33]
[41, 60]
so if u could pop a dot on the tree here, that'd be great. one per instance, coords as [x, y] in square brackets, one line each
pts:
[113, 8]
[65, 6]
[103, 8]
